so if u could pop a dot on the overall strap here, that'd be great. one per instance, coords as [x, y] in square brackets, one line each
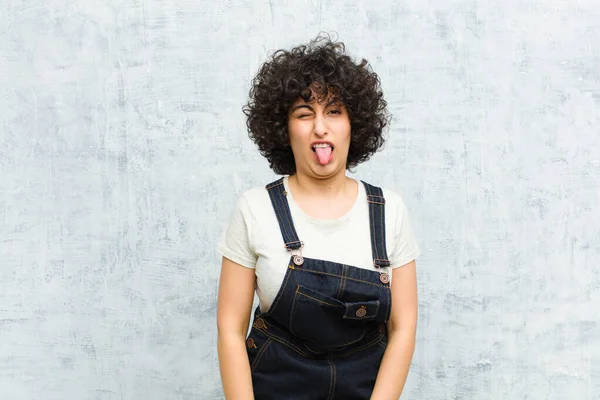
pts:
[377, 223]
[277, 194]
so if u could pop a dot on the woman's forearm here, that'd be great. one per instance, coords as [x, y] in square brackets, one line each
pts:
[234, 367]
[395, 365]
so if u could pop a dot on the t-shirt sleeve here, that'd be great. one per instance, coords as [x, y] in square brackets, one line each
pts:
[405, 248]
[235, 242]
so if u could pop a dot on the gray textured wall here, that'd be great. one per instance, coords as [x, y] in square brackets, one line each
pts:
[123, 148]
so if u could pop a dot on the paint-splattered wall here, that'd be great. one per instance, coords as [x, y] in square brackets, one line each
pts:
[123, 148]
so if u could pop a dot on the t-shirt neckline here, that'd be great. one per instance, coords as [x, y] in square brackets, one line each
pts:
[295, 208]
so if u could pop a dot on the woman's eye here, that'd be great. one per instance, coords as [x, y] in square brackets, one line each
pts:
[335, 111]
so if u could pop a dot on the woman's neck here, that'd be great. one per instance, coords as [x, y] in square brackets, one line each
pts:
[330, 188]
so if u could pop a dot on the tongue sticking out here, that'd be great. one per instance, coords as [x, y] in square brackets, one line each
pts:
[323, 154]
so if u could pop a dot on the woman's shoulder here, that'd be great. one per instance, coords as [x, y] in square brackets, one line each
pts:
[258, 195]
[255, 193]
[393, 197]
[254, 199]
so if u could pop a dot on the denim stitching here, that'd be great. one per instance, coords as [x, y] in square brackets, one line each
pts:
[285, 343]
[276, 183]
[343, 281]
[293, 236]
[363, 347]
[288, 235]
[373, 232]
[284, 212]
[260, 354]
[354, 341]
[389, 304]
[286, 225]
[382, 229]
[293, 242]
[339, 291]
[279, 210]
[315, 352]
[292, 312]
[288, 215]
[334, 379]
[303, 354]
[280, 294]
[376, 196]
[340, 276]
[330, 397]
[320, 301]
[282, 225]
[377, 212]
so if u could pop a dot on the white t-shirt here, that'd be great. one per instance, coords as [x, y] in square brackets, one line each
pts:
[253, 238]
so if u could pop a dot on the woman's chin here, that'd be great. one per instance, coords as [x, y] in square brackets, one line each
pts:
[328, 170]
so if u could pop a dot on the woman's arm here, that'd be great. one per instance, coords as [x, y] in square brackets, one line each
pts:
[234, 306]
[402, 331]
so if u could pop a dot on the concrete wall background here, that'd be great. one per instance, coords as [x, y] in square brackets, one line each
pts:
[123, 148]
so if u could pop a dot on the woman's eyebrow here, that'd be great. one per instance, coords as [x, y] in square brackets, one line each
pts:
[299, 106]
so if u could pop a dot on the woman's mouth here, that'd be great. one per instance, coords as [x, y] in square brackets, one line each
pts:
[323, 152]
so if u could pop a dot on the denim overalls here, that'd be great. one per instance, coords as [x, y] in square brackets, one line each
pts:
[324, 335]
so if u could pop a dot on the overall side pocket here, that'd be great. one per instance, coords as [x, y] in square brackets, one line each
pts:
[256, 346]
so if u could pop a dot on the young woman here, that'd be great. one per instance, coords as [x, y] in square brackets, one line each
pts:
[332, 259]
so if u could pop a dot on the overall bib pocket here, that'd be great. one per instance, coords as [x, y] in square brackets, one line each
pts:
[328, 322]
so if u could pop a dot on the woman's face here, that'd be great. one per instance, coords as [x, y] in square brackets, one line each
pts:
[320, 136]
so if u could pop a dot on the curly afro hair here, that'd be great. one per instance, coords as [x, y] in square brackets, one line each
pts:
[321, 67]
